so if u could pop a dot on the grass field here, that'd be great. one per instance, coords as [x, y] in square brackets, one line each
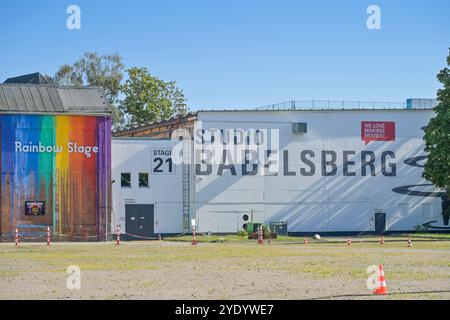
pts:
[235, 269]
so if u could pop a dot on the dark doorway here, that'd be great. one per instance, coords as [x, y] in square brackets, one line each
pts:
[380, 223]
[139, 221]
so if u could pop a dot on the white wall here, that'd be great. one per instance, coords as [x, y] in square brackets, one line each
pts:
[308, 203]
[320, 203]
[165, 189]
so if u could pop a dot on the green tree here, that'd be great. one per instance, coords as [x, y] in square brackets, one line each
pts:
[437, 139]
[96, 70]
[66, 76]
[149, 99]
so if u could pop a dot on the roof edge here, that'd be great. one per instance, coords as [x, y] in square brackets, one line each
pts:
[316, 109]
[61, 113]
[50, 86]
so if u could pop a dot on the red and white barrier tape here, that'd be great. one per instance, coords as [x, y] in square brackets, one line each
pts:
[47, 236]
[140, 237]
[32, 237]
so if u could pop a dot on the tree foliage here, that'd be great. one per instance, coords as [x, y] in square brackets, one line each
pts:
[437, 136]
[145, 97]
[149, 99]
[96, 70]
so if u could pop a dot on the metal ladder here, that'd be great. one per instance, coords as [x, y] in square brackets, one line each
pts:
[186, 184]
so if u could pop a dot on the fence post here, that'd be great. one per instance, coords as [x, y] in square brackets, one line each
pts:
[16, 237]
[48, 236]
[118, 235]
[194, 240]
[260, 235]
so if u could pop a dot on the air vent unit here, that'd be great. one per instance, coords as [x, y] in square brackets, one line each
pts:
[299, 128]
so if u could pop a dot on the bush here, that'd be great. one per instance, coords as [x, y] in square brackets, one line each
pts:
[242, 233]
[266, 231]
[421, 228]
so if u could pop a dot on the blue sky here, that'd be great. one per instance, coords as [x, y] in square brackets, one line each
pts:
[247, 53]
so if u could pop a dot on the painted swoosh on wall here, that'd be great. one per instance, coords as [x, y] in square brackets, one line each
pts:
[406, 190]
[418, 162]
[429, 226]
[414, 161]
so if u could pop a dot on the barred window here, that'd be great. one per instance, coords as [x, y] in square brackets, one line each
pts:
[143, 180]
[125, 180]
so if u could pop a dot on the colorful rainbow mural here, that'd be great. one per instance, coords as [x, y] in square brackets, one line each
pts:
[62, 161]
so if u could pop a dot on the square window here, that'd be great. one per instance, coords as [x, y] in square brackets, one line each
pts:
[125, 180]
[143, 180]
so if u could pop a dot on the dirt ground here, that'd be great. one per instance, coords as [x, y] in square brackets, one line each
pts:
[176, 270]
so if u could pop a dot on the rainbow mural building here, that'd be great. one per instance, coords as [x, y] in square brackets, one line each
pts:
[55, 151]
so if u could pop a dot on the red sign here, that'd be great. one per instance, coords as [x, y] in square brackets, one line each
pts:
[377, 131]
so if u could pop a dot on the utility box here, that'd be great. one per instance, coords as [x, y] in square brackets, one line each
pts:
[299, 128]
[380, 222]
[279, 227]
[420, 103]
[252, 227]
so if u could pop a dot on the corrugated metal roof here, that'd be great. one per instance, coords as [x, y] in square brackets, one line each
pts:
[137, 127]
[31, 98]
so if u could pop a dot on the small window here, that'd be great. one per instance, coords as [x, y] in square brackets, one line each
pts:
[125, 180]
[143, 180]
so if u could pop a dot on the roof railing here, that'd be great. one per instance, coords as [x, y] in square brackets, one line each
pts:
[336, 104]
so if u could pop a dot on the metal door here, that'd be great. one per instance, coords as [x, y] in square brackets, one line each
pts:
[380, 223]
[139, 221]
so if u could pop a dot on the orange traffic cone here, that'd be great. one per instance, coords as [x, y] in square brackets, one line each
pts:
[305, 240]
[382, 240]
[409, 242]
[349, 241]
[382, 287]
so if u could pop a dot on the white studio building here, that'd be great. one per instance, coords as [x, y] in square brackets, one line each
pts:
[346, 171]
